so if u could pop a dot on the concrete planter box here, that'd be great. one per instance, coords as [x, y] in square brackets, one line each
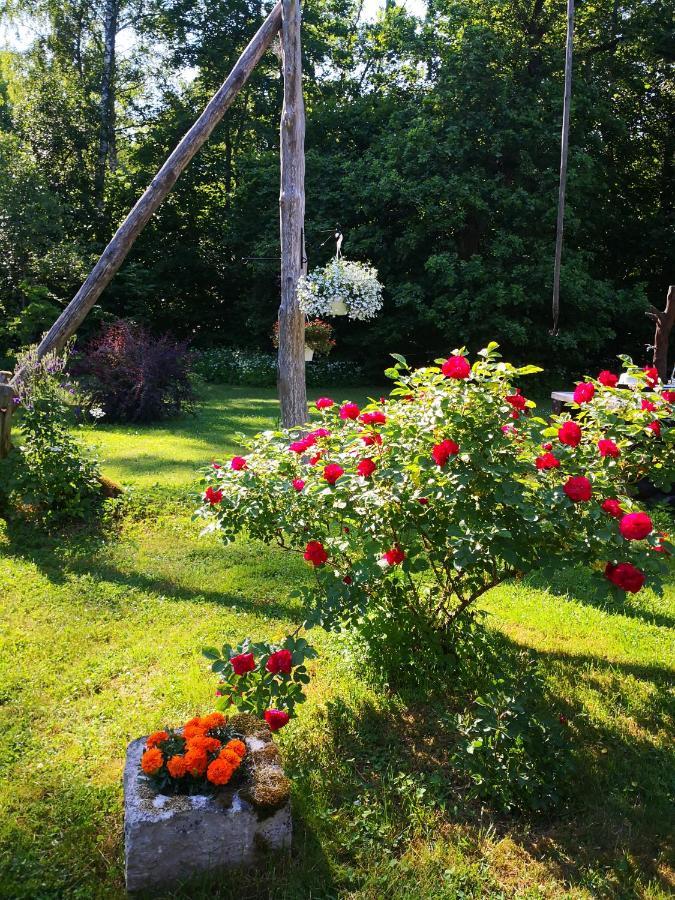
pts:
[168, 839]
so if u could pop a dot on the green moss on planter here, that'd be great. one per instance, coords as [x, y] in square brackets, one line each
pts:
[250, 726]
[269, 788]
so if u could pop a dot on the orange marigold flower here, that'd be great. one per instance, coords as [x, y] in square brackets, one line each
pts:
[239, 747]
[152, 761]
[193, 728]
[196, 762]
[232, 758]
[176, 766]
[204, 742]
[156, 738]
[220, 771]
[214, 720]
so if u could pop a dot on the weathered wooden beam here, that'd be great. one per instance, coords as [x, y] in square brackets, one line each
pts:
[665, 321]
[291, 360]
[114, 254]
[7, 395]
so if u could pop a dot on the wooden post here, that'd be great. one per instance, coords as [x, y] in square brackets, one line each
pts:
[114, 254]
[291, 359]
[567, 99]
[664, 325]
[7, 395]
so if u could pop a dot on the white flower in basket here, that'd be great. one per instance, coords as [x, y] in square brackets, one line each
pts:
[341, 287]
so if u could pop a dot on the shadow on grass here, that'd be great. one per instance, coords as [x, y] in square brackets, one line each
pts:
[78, 553]
[585, 587]
[609, 834]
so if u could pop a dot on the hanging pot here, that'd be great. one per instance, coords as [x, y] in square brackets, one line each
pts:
[338, 308]
[309, 353]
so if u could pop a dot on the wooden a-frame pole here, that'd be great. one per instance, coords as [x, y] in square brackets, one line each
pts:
[114, 254]
[291, 360]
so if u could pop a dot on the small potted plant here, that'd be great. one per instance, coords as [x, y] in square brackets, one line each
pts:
[341, 288]
[318, 338]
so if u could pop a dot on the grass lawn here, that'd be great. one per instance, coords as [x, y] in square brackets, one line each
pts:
[101, 638]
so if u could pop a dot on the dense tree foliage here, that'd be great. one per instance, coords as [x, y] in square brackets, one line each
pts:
[433, 143]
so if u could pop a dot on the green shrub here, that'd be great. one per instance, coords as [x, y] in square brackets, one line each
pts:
[229, 365]
[50, 472]
[514, 757]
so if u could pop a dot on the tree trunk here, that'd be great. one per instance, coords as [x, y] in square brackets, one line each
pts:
[291, 365]
[664, 325]
[563, 165]
[107, 102]
[114, 254]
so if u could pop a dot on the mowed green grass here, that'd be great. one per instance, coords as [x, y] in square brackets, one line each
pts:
[101, 638]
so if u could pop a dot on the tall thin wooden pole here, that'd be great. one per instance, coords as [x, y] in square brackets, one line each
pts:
[291, 360]
[114, 254]
[563, 165]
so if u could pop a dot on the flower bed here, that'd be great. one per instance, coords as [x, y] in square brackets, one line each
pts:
[210, 795]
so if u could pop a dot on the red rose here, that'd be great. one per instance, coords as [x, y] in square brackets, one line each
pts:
[319, 433]
[635, 526]
[584, 392]
[243, 663]
[315, 553]
[517, 401]
[370, 439]
[423, 501]
[652, 374]
[609, 379]
[276, 718]
[366, 468]
[373, 418]
[547, 447]
[608, 448]
[217, 466]
[213, 495]
[238, 463]
[456, 367]
[332, 472]
[349, 411]
[655, 426]
[547, 461]
[281, 661]
[578, 489]
[298, 484]
[394, 557]
[669, 396]
[324, 403]
[625, 576]
[302, 445]
[569, 434]
[612, 507]
[443, 451]
[347, 579]
[314, 459]
[648, 405]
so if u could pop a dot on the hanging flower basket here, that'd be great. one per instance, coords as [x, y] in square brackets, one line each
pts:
[318, 338]
[341, 287]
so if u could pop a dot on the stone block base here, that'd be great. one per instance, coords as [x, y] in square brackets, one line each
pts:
[168, 839]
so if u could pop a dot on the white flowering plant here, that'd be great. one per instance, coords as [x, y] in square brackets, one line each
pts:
[341, 281]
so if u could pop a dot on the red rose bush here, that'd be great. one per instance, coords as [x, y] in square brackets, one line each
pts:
[417, 504]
